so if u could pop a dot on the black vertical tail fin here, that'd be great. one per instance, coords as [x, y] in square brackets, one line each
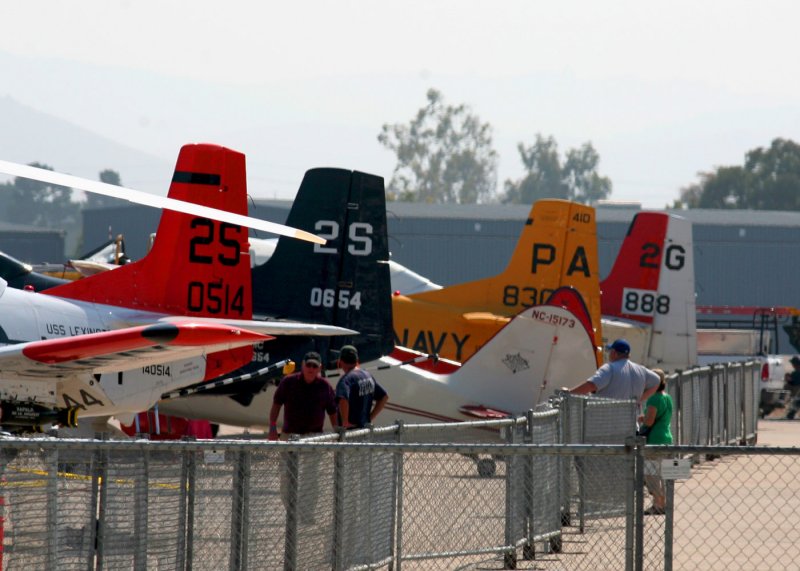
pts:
[344, 282]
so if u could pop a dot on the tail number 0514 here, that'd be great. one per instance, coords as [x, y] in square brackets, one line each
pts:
[328, 298]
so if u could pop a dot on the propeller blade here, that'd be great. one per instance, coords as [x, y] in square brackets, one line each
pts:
[147, 199]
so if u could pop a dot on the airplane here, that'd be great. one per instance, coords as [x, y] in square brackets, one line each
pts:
[344, 283]
[107, 256]
[113, 343]
[20, 275]
[557, 247]
[649, 235]
[655, 264]
[648, 297]
[538, 351]
[453, 394]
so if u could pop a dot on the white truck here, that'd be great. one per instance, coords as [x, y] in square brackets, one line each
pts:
[731, 345]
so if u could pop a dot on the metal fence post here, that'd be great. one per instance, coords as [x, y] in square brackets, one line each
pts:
[52, 508]
[397, 524]
[338, 507]
[634, 522]
[102, 527]
[529, 550]
[140, 513]
[510, 556]
[93, 522]
[292, 482]
[565, 463]
[370, 483]
[186, 517]
[580, 468]
[239, 512]
[668, 524]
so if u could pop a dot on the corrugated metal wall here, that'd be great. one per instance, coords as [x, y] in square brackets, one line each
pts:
[32, 245]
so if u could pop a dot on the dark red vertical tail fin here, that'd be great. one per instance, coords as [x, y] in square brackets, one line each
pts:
[637, 267]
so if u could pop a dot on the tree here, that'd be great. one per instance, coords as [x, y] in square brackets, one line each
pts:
[545, 177]
[39, 203]
[580, 172]
[94, 200]
[768, 180]
[444, 155]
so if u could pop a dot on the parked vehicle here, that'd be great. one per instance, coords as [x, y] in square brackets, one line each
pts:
[733, 345]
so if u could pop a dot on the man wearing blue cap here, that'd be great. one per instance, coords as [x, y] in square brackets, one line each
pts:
[620, 378]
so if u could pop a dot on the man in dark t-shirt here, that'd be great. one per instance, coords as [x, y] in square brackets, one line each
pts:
[306, 397]
[359, 396]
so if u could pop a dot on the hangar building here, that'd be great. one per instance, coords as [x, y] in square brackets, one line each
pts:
[32, 244]
[742, 257]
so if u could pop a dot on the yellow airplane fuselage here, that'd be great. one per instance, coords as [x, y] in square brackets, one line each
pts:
[557, 247]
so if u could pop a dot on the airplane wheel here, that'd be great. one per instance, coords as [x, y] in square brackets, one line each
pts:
[529, 553]
[486, 468]
[555, 544]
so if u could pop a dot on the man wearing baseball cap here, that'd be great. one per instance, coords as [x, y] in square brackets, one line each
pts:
[306, 396]
[620, 378]
[358, 394]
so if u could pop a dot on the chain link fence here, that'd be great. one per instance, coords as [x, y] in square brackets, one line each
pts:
[559, 488]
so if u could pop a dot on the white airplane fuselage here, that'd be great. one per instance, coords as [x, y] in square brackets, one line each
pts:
[27, 316]
[539, 351]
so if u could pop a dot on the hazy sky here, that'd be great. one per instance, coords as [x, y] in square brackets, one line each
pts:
[662, 90]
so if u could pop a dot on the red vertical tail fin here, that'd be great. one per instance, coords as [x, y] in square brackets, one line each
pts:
[197, 266]
[637, 267]
[652, 285]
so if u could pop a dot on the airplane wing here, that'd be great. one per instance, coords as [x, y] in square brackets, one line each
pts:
[121, 349]
[90, 267]
[268, 327]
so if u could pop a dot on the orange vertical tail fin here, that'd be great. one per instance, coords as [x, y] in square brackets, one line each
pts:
[557, 247]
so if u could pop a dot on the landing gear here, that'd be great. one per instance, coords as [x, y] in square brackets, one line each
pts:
[487, 467]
